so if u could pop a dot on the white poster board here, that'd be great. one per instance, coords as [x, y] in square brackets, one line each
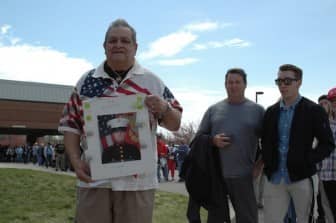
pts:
[118, 136]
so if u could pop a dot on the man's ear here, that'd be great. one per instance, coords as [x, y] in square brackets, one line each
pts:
[300, 82]
[104, 44]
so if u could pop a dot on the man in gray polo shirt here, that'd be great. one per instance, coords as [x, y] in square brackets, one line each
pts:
[235, 124]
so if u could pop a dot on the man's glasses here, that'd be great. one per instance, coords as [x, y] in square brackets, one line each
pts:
[287, 81]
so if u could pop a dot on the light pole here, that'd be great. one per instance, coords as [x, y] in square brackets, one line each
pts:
[256, 95]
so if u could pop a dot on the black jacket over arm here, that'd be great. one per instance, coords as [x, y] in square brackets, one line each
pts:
[202, 173]
[309, 121]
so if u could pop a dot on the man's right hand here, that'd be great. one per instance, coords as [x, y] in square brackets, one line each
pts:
[221, 140]
[82, 170]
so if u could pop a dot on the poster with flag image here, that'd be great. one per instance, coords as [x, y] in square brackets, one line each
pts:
[118, 136]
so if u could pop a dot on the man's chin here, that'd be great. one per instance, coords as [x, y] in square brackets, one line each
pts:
[118, 59]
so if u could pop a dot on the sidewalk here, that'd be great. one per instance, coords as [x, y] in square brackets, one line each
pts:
[168, 186]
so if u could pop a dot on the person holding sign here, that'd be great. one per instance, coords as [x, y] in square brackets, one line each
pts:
[127, 198]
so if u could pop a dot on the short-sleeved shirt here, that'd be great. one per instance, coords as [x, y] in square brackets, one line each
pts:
[97, 84]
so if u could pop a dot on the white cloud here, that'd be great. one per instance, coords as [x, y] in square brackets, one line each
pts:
[173, 43]
[235, 42]
[196, 101]
[169, 45]
[5, 28]
[27, 62]
[198, 46]
[206, 26]
[202, 26]
[14, 41]
[178, 62]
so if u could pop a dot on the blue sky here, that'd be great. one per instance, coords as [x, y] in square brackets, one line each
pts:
[189, 45]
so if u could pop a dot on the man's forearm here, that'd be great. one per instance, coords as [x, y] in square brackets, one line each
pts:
[172, 120]
[72, 148]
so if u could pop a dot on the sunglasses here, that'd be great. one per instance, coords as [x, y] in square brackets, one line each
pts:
[287, 81]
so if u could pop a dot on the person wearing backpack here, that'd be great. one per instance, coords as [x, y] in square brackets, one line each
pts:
[48, 154]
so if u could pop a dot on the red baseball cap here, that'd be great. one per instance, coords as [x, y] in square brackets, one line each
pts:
[332, 93]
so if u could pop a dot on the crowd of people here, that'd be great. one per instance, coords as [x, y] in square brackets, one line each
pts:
[48, 155]
[170, 159]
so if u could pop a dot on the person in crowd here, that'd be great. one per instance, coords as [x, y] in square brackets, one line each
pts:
[40, 155]
[48, 154]
[171, 162]
[126, 199]
[19, 154]
[2, 153]
[289, 128]
[35, 153]
[181, 153]
[60, 157]
[162, 155]
[26, 153]
[11, 154]
[234, 125]
[29, 153]
[327, 168]
[3, 150]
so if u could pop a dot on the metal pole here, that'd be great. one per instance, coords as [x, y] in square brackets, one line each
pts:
[256, 95]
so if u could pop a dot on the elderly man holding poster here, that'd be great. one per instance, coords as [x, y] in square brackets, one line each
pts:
[126, 198]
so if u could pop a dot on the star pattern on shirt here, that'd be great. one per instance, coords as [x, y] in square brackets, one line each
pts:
[94, 87]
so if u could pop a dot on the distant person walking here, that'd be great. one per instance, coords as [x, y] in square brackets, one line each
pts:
[181, 153]
[48, 154]
[171, 161]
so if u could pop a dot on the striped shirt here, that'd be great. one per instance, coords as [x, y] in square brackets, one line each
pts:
[97, 84]
[327, 168]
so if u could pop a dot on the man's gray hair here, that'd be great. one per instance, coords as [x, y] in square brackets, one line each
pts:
[120, 23]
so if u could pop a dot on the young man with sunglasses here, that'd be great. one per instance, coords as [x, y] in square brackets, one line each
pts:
[289, 129]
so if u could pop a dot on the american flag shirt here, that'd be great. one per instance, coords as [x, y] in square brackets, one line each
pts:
[97, 84]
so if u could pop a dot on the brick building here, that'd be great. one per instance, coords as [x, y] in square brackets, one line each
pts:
[29, 111]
